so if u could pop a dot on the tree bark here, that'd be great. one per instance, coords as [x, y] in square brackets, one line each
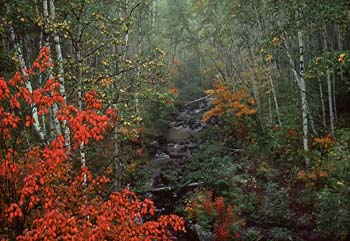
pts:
[270, 110]
[256, 92]
[322, 103]
[28, 84]
[55, 124]
[303, 95]
[59, 64]
[139, 50]
[275, 100]
[329, 85]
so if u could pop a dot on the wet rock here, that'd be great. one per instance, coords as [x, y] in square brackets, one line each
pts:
[174, 124]
[184, 116]
[154, 144]
[178, 134]
[177, 150]
[161, 155]
[203, 105]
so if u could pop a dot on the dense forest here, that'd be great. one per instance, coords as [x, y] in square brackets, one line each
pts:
[175, 119]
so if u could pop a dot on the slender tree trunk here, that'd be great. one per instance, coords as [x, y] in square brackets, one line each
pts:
[127, 31]
[340, 48]
[117, 163]
[116, 160]
[43, 121]
[334, 98]
[329, 85]
[303, 96]
[47, 44]
[80, 98]
[275, 100]
[139, 50]
[55, 124]
[59, 64]
[256, 91]
[270, 110]
[28, 84]
[322, 103]
[154, 30]
[299, 82]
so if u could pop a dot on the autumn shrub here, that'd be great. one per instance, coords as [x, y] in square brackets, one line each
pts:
[332, 198]
[231, 106]
[42, 196]
[214, 214]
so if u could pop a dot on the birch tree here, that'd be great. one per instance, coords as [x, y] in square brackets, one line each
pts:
[23, 68]
[329, 85]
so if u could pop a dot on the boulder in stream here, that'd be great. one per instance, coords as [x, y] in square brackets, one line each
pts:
[177, 150]
[178, 134]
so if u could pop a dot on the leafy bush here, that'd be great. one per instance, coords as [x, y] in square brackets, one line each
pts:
[332, 215]
[333, 198]
[253, 234]
[275, 206]
[215, 215]
[280, 234]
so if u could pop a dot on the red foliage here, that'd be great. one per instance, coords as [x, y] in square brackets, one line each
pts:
[219, 214]
[42, 196]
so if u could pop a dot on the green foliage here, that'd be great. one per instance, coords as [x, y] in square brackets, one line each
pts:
[253, 234]
[332, 214]
[332, 199]
[280, 234]
[7, 66]
[275, 205]
[219, 171]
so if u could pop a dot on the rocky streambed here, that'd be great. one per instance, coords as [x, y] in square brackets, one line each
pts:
[171, 154]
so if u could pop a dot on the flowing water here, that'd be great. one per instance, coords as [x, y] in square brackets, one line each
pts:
[177, 147]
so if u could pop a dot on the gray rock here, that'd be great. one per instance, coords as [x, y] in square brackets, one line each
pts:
[161, 155]
[184, 116]
[177, 150]
[154, 144]
[178, 134]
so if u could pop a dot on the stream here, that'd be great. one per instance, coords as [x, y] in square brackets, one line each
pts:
[171, 154]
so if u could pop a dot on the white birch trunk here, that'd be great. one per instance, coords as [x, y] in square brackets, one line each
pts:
[43, 122]
[329, 85]
[139, 52]
[80, 98]
[60, 72]
[303, 96]
[80, 102]
[56, 126]
[28, 84]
